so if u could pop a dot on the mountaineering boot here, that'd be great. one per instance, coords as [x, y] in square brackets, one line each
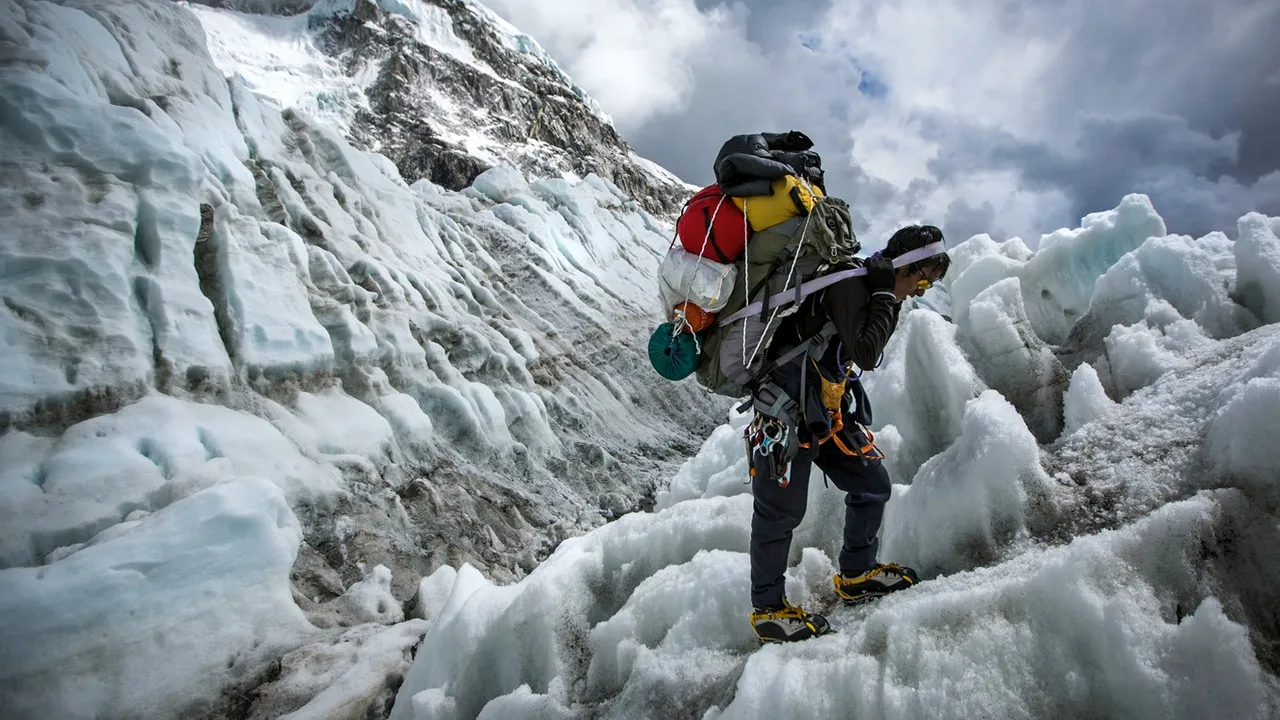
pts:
[787, 623]
[879, 580]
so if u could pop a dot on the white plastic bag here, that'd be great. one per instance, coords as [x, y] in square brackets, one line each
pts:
[684, 276]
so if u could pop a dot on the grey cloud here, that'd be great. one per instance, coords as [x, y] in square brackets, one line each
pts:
[1178, 166]
[963, 221]
[1168, 97]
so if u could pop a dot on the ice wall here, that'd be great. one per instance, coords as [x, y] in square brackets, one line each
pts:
[203, 291]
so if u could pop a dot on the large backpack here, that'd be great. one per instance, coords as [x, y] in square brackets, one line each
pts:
[778, 269]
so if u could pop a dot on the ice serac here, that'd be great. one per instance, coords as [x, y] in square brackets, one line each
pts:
[968, 504]
[1057, 282]
[1165, 280]
[1013, 359]
[919, 392]
[1258, 257]
[159, 617]
[1085, 400]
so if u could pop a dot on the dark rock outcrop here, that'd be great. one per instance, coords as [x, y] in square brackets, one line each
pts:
[442, 116]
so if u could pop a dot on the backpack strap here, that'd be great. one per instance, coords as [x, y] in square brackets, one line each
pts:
[805, 289]
[820, 339]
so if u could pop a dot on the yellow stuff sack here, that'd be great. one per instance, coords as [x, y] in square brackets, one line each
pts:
[790, 198]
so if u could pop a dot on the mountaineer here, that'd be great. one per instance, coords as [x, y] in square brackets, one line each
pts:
[864, 313]
[765, 297]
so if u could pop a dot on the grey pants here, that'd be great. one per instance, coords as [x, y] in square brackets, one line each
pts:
[779, 510]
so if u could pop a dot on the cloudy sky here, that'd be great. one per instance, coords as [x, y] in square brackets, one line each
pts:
[1013, 117]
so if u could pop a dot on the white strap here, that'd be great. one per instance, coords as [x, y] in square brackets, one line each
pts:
[825, 281]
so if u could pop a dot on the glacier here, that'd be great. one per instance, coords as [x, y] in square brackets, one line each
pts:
[290, 429]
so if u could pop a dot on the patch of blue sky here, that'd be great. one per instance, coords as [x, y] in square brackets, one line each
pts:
[872, 86]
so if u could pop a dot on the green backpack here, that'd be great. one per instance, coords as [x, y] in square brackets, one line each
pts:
[785, 258]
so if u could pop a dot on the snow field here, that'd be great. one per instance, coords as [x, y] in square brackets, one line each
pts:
[1084, 629]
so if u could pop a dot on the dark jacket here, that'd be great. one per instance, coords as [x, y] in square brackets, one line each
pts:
[747, 165]
[864, 324]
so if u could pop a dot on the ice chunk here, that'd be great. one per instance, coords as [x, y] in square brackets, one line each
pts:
[719, 467]
[1012, 359]
[501, 183]
[1175, 271]
[981, 274]
[970, 503]
[546, 615]
[1085, 400]
[524, 703]
[985, 262]
[1258, 259]
[433, 591]
[146, 455]
[161, 618]
[370, 600]
[345, 425]
[1140, 354]
[271, 323]
[1242, 437]
[352, 677]
[1058, 281]
[921, 388]
[413, 430]
[665, 618]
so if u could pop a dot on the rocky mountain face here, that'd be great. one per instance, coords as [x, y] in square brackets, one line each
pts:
[518, 107]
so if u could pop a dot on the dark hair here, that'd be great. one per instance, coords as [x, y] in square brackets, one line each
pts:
[912, 237]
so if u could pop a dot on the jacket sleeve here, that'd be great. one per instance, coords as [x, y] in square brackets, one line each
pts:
[864, 321]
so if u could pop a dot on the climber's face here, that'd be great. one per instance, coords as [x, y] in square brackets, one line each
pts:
[914, 284]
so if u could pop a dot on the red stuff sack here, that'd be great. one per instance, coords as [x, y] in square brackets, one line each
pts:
[712, 226]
